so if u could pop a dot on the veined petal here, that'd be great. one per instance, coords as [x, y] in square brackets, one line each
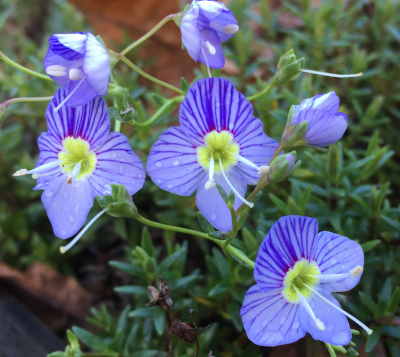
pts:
[289, 240]
[269, 320]
[211, 9]
[337, 328]
[190, 33]
[216, 60]
[328, 102]
[69, 46]
[91, 121]
[226, 18]
[214, 104]
[172, 163]
[255, 146]
[82, 95]
[118, 164]
[212, 206]
[96, 65]
[336, 254]
[67, 205]
[323, 129]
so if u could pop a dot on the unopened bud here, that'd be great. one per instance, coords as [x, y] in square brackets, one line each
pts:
[295, 134]
[287, 58]
[290, 72]
[281, 167]
[178, 17]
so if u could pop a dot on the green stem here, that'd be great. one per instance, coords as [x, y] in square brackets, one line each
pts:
[330, 350]
[22, 68]
[146, 36]
[151, 78]
[159, 112]
[117, 126]
[238, 254]
[23, 100]
[265, 91]
[167, 227]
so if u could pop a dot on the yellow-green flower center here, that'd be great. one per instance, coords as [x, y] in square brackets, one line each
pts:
[75, 151]
[218, 146]
[303, 272]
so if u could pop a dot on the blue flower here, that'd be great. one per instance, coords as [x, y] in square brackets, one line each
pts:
[79, 159]
[325, 124]
[219, 142]
[79, 62]
[296, 270]
[204, 26]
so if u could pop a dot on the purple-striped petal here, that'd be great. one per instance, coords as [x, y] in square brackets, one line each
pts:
[117, 164]
[67, 205]
[214, 104]
[337, 328]
[269, 320]
[172, 163]
[336, 254]
[191, 38]
[69, 46]
[90, 122]
[226, 18]
[210, 203]
[328, 102]
[82, 95]
[96, 65]
[215, 59]
[289, 240]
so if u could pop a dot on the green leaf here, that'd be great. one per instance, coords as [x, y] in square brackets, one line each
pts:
[127, 268]
[141, 312]
[184, 85]
[391, 222]
[131, 289]
[113, 112]
[56, 354]
[223, 194]
[373, 339]
[73, 340]
[204, 224]
[368, 301]
[171, 259]
[222, 287]
[354, 166]
[366, 247]
[159, 321]
[249, 240]
[147, 353]
[240, 261]
[304, 199]
[147, 242]
[279, 203]
[393, 302]
[90, 340]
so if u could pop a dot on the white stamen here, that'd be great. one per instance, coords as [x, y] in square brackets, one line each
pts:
[210, 48]
[39, 169]
[366, 328]
[303, 301]
[209, 184]
[69, 95]
[245, 161]
[263, 170]
[75, 74]
[331, 74]
[250, 204]
[356, 271]
[211, 169]
[82, 232]
[75, 172]
[208, 67]
[230, 29]
[56, 70]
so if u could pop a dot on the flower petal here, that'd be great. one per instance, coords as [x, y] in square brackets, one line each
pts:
[289, 240]
[212, 206]
[96, 65]
[118, 164]
[190, 33]
[69, 46]
[336, 254]
[211, 40]
[172, 163]
[226, 18]
[67, 205]
[269, 320]
[90, 122]
[328, 102]
[82, 95]
[214, 104]
[337, 328]
[255, 146]
[210, 9]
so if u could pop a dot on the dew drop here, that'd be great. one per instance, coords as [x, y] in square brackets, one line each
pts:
[107, 187]
[170, 186]
[330, 328]
[342, 266]
[230, 126]
[175, 163]
[121, 169]
[76, 208]
[346, 255]
[122, 160]
[282, 320]
[71, 218]
[158, 164]
[213, 217]
[159, 181]
[295, 325]
[140, 176]
[264, 323]
[48, 193]
[132, 182]
[333, 261]
[114, 154]
[237, 100]
[330, 245]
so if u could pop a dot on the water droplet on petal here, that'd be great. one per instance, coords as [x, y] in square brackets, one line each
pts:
[330, 245]
[121, 169]
[264, 323]
[333, 261]
[114, 154]
[122, 160]
[282, 320]
[329, 328]
[295, 325]
[140, 176]
[48, 193]
[132, 182]
[159, 181]
[230, 126]
[170, 186]
[158, 164]
[71, 218]
[175, 163]
[346, 255]
[77, 208]
[213, 217]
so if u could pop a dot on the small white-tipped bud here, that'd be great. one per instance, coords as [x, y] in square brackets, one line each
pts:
[210, 48]
[230, 29]
[263, 170]
[356, 271]
[56, 70]
[209, 184]
[320, 324]
[21, 172]
[75, 74]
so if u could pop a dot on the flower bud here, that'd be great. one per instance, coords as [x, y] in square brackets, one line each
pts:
[120, 204]
[281, 167]
[287, 58]
[290, 71]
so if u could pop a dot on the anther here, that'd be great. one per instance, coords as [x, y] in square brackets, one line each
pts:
[75, 74]
[332, 74]
[230, 29]
[21, 172]
[263, 170]
[75, 172]
[210, 48]
[56, 70]
[356, 271]
[209, 184]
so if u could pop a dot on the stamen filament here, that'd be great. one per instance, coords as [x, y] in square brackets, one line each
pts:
[82, 232]
[245, 161]
[75, 172]
[303, 301]
[250, 204]
[69, 95]
[208, 67]
[332, 74]
[211, 169]
[366, 328]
